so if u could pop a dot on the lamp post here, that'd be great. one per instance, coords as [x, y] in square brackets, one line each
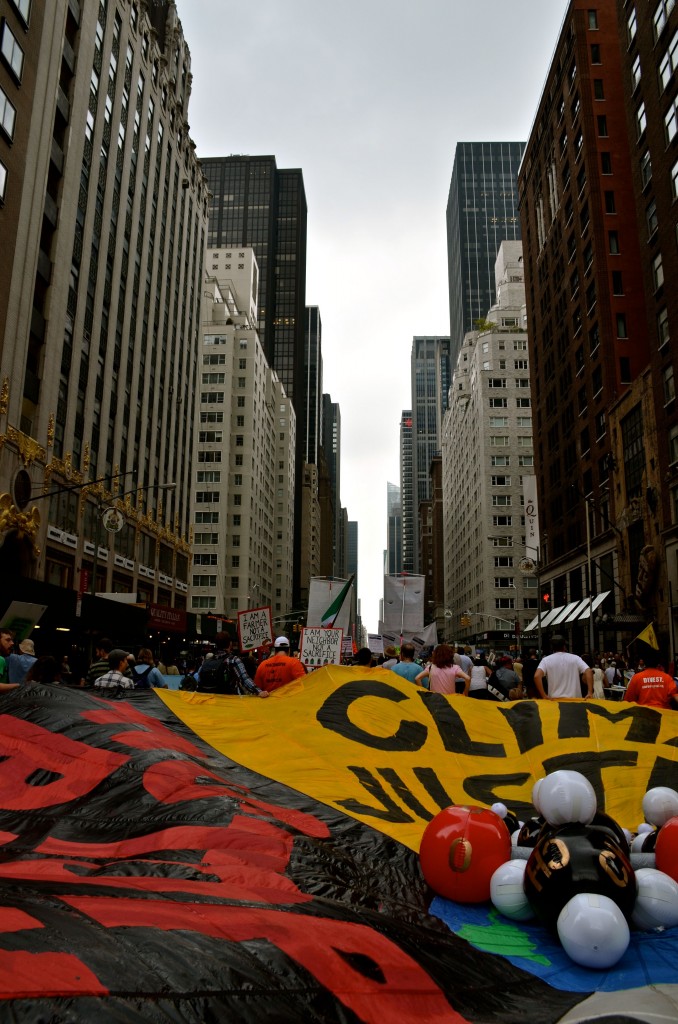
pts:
[113, 520]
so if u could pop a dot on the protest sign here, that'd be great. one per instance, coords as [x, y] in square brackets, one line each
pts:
[255, 628]
[320, 646]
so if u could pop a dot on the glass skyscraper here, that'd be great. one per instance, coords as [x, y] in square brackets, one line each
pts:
[482, 212]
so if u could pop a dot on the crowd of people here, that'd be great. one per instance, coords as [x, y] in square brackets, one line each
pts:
[448, 669]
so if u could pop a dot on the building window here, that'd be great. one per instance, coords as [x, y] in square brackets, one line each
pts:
[523, 403]
[636, 72]
[613, 242]
[526, 460]
[498, 403]
[668, 63]
[11, 51]
[663, 327]
[651, 218]
[598, 89]
[501, 481]
[210, 437]
[645, 167]
[661, 14]
[3, 182]
[605, 163]
[499, 500]
[500, 460]
[499, 421]
[671, 120]
[498, 441]
[502, 603]
[617, 283]
[609, 202]
[595, 53]
[7, 115]
[504, 582]
[524, 421]
[625, 370]
[658, 271]
[669, 385]
[621, 325]
[502, 520]
[631, 26]
[593, 19]
[673, 445]
[602, 126]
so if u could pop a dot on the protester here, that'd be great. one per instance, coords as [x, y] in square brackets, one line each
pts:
[102, 648]
[652, 687]
[390, 658]
[442, 672]
[407, 667]
[462, 659]
[530, 666]
[480, 673]
[508, 679]
[6, 645]
[115, 678]
[225, 672]
[144, 672]
[18, 665]
[563, 672]
[280, 669]
[45, 669]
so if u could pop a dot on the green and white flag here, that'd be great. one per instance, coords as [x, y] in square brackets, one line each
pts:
[331, 615]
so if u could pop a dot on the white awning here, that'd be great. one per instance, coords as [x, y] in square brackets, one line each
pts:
[582, 609]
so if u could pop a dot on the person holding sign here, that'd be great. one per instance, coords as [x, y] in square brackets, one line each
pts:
[279, 669]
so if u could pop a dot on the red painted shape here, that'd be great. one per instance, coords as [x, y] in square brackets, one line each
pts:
[45, 975]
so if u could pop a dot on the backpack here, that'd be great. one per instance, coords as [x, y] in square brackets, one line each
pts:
[497, 688]
[141, 678]
[218, 675]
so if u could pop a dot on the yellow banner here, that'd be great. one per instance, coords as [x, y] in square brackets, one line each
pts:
[386, 752]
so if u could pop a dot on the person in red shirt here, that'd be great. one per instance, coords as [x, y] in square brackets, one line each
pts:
[279, 669]
[652, 687]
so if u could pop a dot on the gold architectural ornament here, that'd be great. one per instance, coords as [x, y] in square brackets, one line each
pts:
[86, 457]
[29, 449]
[26, 524]
[4, 396]
[64, 468]
[50, 430]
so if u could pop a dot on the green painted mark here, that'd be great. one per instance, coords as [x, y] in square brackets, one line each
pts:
[502, 938]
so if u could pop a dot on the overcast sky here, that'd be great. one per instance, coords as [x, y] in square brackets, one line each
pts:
[369, 99]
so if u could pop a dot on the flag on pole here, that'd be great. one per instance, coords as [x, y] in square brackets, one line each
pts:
[330, 616]
[648, 637]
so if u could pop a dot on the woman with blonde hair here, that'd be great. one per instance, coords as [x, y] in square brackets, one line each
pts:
[442, 672]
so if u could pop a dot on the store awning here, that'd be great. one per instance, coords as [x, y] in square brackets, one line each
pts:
[571, 612]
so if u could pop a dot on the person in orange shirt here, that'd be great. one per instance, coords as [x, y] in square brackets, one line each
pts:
[652, 687]
[279, 669]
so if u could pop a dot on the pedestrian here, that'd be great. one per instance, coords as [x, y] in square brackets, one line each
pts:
[225, 672]
[529, 668]
[18, 665]
[563, 672]
[480, 673]
[280, 669]
[45, 669]
[6, 645]
[462, 659]
[102, 648]
[652, 687]
[442, 672]
[598, 678]
[390, 658]
[407, 667]
[144, 673]
[508, 679]
[364, 658]
[115, 678]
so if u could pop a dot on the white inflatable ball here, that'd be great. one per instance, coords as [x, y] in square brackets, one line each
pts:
[656, 904]
[506, 891]
[636, 845]
[566, 797]
[593, 930]
[500, 809]
[643, 827]
[660, 804]
[628, 834]
[535, 796]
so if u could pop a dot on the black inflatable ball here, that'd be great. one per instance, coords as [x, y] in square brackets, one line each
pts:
[607, 823]
[511, 822]
[572, 859]
[650, 841]
[530, 831]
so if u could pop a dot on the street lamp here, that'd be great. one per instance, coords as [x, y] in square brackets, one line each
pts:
[113, 521]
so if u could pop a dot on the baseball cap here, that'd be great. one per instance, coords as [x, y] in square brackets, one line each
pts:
[281, 641]
[116, 656]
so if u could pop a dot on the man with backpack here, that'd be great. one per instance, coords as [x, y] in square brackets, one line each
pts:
[225, 672]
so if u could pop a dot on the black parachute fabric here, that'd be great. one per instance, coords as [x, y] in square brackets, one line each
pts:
[146, 877]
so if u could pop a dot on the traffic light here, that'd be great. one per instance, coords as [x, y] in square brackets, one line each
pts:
[466, 620]
[545, 601]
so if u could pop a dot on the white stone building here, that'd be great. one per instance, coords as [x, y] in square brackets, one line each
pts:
[487, 449]
[242, 500]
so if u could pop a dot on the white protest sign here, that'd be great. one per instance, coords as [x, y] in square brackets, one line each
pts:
[255, 628]
[320, 646]
[375, 643]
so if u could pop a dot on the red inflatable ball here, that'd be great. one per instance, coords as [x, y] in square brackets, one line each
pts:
[666, 849]
[461, 848]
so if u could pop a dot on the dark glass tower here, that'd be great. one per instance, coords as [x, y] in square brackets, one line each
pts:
[482, 212]
[255, 204]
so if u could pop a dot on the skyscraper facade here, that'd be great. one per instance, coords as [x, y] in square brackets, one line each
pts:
[587, 325]
[101, 302]
[394, 544]
[431, 379]
[407, 492]
[482, 212]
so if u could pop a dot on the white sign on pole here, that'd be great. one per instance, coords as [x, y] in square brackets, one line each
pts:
[375, 642]
[320, 646]
[255, 628]
[531, 516]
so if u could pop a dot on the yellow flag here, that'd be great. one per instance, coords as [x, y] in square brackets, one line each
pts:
[648, 637]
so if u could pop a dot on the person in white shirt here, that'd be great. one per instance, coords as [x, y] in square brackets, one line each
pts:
[564, 672]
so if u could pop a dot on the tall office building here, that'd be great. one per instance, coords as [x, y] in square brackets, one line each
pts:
[587, 324]
[332, 451]
[487, 448]
[431, 379]
[482, 212]
[407, 491]
[394, 546]
[254, 203]
[243, 483]
[106, 207]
